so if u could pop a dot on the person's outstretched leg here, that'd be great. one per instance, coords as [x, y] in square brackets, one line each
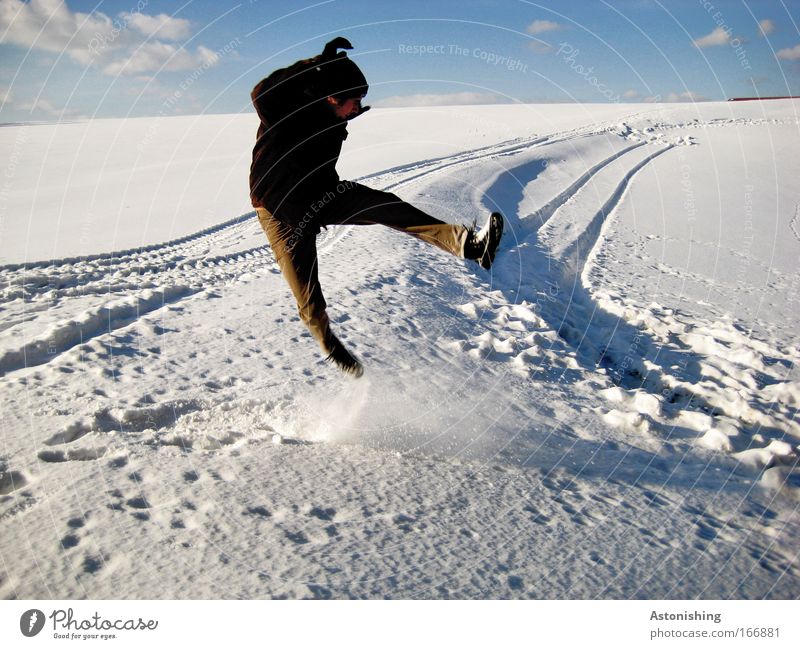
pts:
[297, 259]
[361, 205]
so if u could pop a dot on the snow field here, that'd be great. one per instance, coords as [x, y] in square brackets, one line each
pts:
[583, 421]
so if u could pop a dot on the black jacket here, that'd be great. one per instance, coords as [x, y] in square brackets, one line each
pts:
[298, 143]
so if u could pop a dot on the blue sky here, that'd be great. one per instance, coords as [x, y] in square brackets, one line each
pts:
[76, 59]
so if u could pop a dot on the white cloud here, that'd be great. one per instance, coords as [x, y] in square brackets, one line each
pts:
[143, 86]
[630, 94]
[760, 80]
[162, 25]
[452, 99]
[675, 97]
[718, 37]
[43, 109]
[122, 45]
[766, 26]
[689, 96]
[540, 47]
[542, 26]
[157, 56]
[9, 100]
[49, 25]
[38, 105]
[789, 53]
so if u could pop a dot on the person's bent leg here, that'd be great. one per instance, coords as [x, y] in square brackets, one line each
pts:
[361, 205]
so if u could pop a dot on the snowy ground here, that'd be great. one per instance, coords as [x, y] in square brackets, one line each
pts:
[610, 413]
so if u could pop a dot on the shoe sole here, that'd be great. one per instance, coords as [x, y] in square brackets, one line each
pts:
[493, 240]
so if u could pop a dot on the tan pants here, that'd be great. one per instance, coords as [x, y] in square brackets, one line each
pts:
[295, 247]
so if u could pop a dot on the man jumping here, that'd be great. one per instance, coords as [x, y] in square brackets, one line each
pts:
[304, 110]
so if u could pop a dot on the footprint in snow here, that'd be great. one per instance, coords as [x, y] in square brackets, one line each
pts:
[324, 514]
[93, 564]
[139, 504]
[72, 538]
[118, 462]
[11, 481]
[73, 455]
[298, 538]
[537, 517]
[262, 512]
[654, 499]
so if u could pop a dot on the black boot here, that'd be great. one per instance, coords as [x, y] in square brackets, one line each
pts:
[482, 246]
[345, 361]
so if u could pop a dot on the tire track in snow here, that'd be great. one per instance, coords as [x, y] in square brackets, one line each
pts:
[92, 323]
[130, 254]
[653, 382]
[104, 274]
[579, 249]
[541, 280]
[509, 179]
[793, 224]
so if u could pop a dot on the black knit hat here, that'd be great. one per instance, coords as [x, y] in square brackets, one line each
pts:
[337, 75]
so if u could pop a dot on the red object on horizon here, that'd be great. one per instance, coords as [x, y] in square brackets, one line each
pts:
[759, 98]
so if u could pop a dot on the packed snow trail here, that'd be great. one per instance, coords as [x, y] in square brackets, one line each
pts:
[654, 385]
